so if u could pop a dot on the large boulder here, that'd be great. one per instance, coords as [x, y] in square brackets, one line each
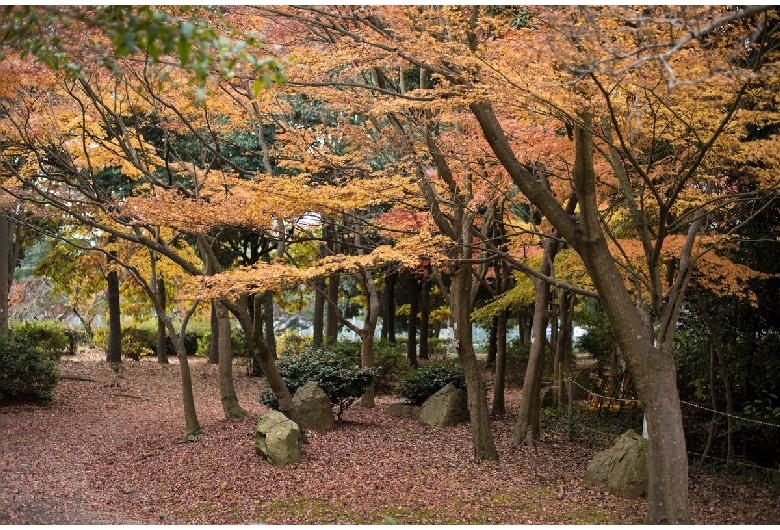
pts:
[313, 409]
[404, 410]
[622, 469]
[278, 439]
[445, 408]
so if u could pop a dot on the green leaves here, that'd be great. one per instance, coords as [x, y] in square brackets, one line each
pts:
[154, 34]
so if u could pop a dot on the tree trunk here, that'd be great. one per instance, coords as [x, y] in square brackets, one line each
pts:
[425, 315]
[6, 251]
[162, 345]
[114, 349]
[651, 366]
[227, 390]
[214, 346]
[482, 436]
[563, 346]
[499, 386]
[264, 358]
[332, 322]
[523, 327]
[414, 308]
[388, 319]
[268, 320]
[319, 313]
[188, 397]
[367, 361]
[492, 343]
[526, 431]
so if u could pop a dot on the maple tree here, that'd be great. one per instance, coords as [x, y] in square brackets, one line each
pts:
[610, 126]
[656, 142]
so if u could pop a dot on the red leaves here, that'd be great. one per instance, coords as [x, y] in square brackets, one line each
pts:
[93, 456]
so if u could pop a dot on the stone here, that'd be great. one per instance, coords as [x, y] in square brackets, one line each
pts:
[548, 397]
[404, 410]
[445, 408]
[622, 469]
[278, 439]
[313, 409]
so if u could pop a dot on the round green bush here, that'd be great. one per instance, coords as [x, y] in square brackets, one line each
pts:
[390, 362]
[27, 373]
[429, 378]
[48, 335]
[343, 384]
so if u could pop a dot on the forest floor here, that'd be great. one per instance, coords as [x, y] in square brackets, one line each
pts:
[112, 451]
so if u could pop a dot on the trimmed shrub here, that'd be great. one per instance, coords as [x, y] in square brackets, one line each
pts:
[429, 378]
[48, 335]
[343, 384]
[237, 340]
[27, 372]
[390, 362]
[139, 341]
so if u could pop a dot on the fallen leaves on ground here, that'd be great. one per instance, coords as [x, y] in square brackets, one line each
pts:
[113, 451]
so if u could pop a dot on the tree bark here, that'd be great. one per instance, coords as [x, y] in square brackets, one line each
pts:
[162, 345]
[227, 390]
[414, 308]
[499, 386]
[367, 332]
[319, 313]
[425, 316]
[388, 317]
[191, 422]
[651, 364]
[263, 357]
[527, 431]
[563, 345]
[492, 343]
[214, 346]
[482, 436]
[268, 321]
[332, 321]
[5, 273]
[114, 349]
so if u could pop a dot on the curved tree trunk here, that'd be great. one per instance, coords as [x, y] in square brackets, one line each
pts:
[526, 431]
[482, 436]
[227, 390]
[651, 365]
[188, 397]
[264, 358]
[162, 345]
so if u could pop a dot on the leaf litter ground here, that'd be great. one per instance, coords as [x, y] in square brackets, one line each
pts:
[112, 451]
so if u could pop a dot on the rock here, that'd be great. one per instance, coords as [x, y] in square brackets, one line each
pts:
[404, 410]
[445, 408]
[313, 409]
[548, 397]
[622, 469]
[278, 439]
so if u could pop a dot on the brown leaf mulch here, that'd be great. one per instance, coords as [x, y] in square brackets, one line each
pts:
[112, 451]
